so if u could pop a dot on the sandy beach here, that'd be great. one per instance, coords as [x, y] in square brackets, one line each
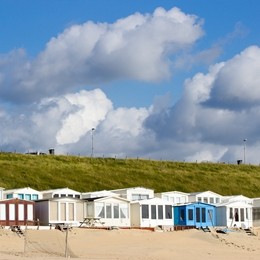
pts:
[125, 244]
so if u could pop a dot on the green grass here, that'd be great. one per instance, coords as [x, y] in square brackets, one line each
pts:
[91, 174]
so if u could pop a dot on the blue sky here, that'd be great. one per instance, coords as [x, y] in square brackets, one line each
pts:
[155, 79]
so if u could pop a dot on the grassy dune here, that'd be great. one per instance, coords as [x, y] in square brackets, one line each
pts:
[90, 174]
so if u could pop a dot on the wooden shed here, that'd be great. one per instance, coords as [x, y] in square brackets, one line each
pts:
[17, 212]
[196, 214]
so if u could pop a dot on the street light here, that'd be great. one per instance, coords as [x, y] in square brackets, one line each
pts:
[92, 142]
[244, 150]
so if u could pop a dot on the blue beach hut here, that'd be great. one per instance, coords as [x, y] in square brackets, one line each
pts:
[196, 214]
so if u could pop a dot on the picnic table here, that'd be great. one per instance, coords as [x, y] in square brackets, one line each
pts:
[92, 221]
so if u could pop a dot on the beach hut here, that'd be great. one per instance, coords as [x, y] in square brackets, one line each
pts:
[26, 193]
[174, 197]
[235, 211]
[107, 211]
[135, 193]
[59, 211]
[208, 197]
[98, 194]
[256, 212]
[16, 212]
[151, 213]
[195, 214]
[60, 193]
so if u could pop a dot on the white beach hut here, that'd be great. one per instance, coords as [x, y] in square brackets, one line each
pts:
[256, 212]
[174, 197]
[60, 206]
[107, 211]
[235, 211]
[25, 193]
[59, 210]
[98, 194]
[208, 197]
[60, 193]
[151, 213]
[135, 193]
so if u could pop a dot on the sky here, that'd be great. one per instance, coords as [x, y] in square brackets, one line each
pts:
[165, 80]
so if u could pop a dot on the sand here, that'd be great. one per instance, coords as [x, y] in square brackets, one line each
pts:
[125, 244]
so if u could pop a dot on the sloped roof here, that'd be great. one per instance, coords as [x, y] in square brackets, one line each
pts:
[25, 189]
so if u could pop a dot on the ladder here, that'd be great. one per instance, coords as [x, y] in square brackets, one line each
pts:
[17, 230]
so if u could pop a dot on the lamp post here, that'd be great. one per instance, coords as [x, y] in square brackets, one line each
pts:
[92, 142]
[244, 150]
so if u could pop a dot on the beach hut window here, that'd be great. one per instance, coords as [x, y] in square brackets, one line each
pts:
[90, 212]
[116, 210]
[190, 214]
[28, 196]
[203, 215]
[153, 211]
[30, 212]
[9, 196]
[100, 209]
[145, 211]
[71, 211]
[242, 214]
[246, 213]
[168, 211]
[182, 199]
[160, 212]
[35, 197]
[54, 210]
[211, 200]
[236, 215]
[197, 214]
[56, 196]
[11, 212]
[2, 212]
[256, 213]
[165, 197]
[63, 195]
[124, 210]
[231, 213]
[20, 212]
[199, 199]
[210, 212]
[20, 196]
[144, 196]
[205, 200]
[182, 215]
[63, 212]
[135, 197]
[108, 210]
[217, 200]
[77, 196]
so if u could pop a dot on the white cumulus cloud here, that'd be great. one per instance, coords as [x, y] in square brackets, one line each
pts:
[89, 108]
[137, 47]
